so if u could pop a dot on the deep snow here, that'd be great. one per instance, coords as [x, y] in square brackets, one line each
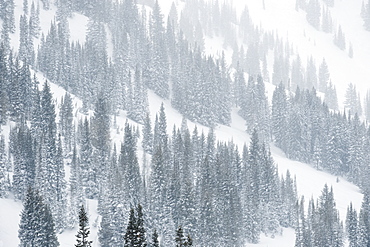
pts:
[279, 16]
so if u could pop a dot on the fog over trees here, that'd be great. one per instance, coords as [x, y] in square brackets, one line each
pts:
[185, 188]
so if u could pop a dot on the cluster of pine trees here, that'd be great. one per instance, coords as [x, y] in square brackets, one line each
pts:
[37, 227]
[305, 129]
[320, 18]
[187, 179]
[358, 224]
[321, 225]
[365, 14]
[192, 181]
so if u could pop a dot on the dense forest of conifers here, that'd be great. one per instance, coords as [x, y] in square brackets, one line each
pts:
[218, 193]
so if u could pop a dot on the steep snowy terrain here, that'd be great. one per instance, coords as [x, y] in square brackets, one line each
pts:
[307, 41]
[288, 23]
[309, 181]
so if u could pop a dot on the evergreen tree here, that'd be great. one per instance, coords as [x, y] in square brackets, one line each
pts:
[139, 107]
[130, 167]
[366, 16]
[253, 60]
[48, 124]
[311, 76]
[352, 226]
[130, 235]
[350, 50]
[76, 189]
[331, 98]
[240, 87]
[364, 221]
[112, 230]
[324, 76]
[37, 226]
[66, 122]
[100, 140]
[159, 61]
[352, 101]
[280, 116]
[135, 232]
[84, 230]
[35, 20]
[327, 22]
[256, 109]
[180, 239]
[147, 142]
[328, 230]
[339, 38]
[7, 15]
[88, 176]
[297, 78]
[367, 106]
[4, 75]
[155, 242]
[23, 151]
[140, 237]
[36, 110]
[4, 183]
[253, 220]
[60, 198]
[313, 13]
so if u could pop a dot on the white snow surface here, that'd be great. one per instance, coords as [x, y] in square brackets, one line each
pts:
[309, 180]
[279, 16]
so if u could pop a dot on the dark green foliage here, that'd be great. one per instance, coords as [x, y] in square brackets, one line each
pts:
[35, 20]
[100, 141]
[204, 186]
[66, 122]
[330, 141]
[159, 66]
[4, 183]
[24, 159]
[322, 226]
[130, 167]
[83, 230]
[76, 189]
[130, 234]
[180, 239]
[37, 226]
[280, 116]
[88, 176]
[135, 232]
[48, 124]
[364, 222]
[147, 143]
[255, 108]
[352, 226]
[4, 76]
[155, 242]
[139, 105]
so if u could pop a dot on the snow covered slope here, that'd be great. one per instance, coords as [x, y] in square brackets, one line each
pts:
[281, 17]
[309, 181]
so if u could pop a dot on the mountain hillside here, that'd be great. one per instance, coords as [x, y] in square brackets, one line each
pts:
[136, 104]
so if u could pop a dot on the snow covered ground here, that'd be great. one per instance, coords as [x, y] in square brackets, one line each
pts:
[292, 25]
[309, 181]
[281, 17]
